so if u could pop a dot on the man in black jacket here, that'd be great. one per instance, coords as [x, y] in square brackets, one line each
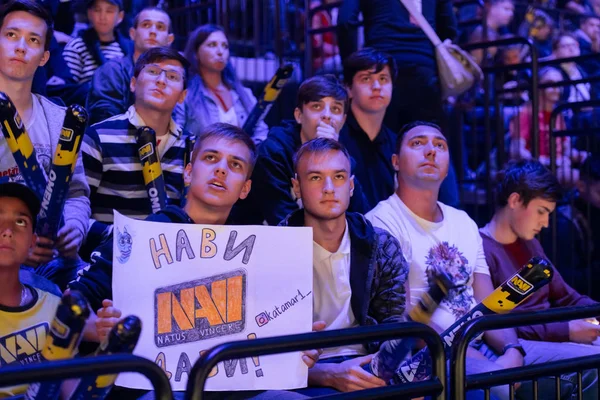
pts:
[321, 108]
[389, 28]
[109, 94]
[369, 76]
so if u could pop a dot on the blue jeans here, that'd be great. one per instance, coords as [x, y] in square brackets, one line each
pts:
[538, 353]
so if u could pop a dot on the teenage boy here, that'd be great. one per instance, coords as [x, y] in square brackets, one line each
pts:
[359, 272]
[219, 175]
[24, 310]
[110, 152]
[222, 162]
[25, 33]
[100, 43]
[526, 196]
[109, 93]
[369, 75]
[436, 236]
[321, 108]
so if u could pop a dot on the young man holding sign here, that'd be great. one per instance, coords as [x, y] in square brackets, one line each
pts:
[222, 163]
[219, 175]
[359, 272]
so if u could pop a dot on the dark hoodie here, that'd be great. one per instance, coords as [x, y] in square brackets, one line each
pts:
[271, 197]
[95, 282]
[378, 272]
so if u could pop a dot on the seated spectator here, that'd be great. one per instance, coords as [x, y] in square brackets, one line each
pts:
[498, 14]
[577, 235]
[538, 26]
[222, 150]
[434, 235]
[565, 46]
[110, 152]
[25, 34]
[207, 202]
[595, 5]
[526, 196]
[512, 55]
[215, 93]
[359, 272]
[575, 6]
[520, 130]
[94, 47]
[588, 36]
[321, 107]
[109, 93]
[369, 76]
[23, 308]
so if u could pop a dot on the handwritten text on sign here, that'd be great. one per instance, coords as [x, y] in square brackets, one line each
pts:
[196, 286]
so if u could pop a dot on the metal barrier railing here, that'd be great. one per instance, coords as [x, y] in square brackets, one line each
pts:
[534, 65]
[188, 16]
[460, 383]
[343, 337]
[478, 147]
[88, 366]
[310, 32]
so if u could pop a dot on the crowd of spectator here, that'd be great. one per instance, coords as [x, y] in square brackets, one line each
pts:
[365, 161]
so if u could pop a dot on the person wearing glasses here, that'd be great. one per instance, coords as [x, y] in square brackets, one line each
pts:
[215, 92]
[110, 152]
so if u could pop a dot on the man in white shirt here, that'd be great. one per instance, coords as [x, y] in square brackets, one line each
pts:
[25, 34]
[433, 234]
[359, 271]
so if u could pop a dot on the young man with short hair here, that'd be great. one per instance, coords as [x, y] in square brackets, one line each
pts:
[110, 152]
[219, 174]
[526, 196]
[25, 311]
[434, 235]
[321, 108]
[98, 44]
[369, 76]
[109, 93]
[25, 33]
[359, 272]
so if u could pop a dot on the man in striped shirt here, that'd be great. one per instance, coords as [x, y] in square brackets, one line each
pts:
[93, 47]
[109, 150]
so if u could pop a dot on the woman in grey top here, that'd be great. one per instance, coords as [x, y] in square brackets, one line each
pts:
[215, 94]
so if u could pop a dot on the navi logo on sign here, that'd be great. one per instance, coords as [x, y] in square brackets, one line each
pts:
[145, 151]
[200, 309]
[520, 285]
[23, 346]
